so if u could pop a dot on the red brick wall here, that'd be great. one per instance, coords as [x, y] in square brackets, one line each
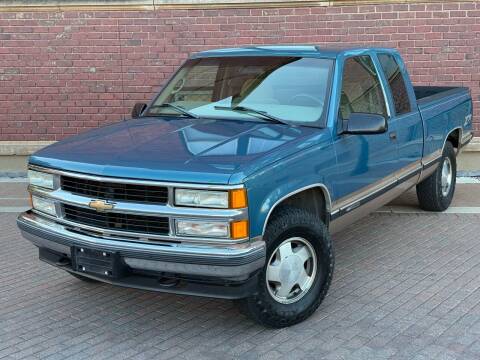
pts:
[64, 72]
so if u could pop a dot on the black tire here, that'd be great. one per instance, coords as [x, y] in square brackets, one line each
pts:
[429, 191]
[287, 223]
[84, 278]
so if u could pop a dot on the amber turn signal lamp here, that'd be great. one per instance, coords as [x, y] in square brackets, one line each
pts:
[238, 198]
[239, 229]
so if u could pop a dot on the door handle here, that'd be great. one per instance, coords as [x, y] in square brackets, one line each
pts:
[393, 135]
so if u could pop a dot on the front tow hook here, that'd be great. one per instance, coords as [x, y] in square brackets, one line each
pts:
[64, 261]
[168, 282]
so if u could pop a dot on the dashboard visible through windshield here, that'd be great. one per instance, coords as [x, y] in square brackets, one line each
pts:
[291, 90]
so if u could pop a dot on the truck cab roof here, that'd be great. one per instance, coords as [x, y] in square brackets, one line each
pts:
[289, 50]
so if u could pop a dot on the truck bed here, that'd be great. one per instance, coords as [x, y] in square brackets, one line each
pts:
[442, 108]
[428, 94]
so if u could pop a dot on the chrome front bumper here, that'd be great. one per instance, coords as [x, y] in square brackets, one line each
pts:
[229, 267]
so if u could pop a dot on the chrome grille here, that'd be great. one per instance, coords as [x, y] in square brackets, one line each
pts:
[115, 221]
[116, 191]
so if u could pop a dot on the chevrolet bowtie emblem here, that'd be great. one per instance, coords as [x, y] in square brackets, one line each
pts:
[101, 205]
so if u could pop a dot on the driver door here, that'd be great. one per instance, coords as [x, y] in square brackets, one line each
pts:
[365, 163]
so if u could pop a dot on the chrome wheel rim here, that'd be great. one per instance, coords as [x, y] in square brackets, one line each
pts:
[291, 270]
[447, 176]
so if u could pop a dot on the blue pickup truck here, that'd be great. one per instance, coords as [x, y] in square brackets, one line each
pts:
[230, 182]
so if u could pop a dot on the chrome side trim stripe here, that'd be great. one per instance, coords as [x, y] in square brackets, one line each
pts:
[377, 189]
[367, 191]
[342, 211]
[431, 159]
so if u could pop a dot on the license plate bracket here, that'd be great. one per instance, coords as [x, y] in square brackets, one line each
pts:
[96, 262]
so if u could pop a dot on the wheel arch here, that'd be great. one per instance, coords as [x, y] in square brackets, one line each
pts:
[454, 136]
[296, 196]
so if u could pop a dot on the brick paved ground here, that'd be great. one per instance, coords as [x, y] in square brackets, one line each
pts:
[405, 287]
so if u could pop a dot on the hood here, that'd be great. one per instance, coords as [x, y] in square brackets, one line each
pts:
[176, 149]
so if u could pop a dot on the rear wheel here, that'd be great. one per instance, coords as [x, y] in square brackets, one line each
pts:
[435, 193]
[297, 273]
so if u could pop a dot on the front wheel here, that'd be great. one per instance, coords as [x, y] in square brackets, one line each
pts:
[297, 273]
[435, 193]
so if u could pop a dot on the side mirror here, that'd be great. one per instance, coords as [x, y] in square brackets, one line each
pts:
[137, 110]
[363, 123]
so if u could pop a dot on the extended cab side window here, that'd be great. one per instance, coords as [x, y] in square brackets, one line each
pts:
[396, 82]
[361, 88]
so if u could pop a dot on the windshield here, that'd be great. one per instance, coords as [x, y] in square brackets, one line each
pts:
[288, 89]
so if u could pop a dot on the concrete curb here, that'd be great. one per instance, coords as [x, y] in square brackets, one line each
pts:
[22, 148]
[13, 174]
[473, 146]
[473, 173]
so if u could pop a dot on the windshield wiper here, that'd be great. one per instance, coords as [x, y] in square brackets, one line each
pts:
[176, 107]
[264, 114]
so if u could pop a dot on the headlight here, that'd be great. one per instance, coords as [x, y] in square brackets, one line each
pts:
[40, 179]
[203, 228]
[233, 199]
[44, 205]
[220, 229]
[201, 198]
